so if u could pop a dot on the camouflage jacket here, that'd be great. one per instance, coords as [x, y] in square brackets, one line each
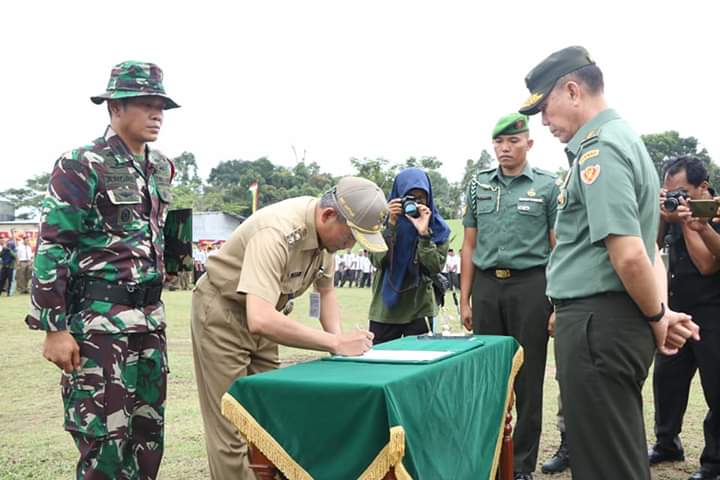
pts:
[102, 218]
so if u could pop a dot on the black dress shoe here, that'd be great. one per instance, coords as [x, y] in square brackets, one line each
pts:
[560, 461]
[522, 476]
[704, 474]
[658, 454]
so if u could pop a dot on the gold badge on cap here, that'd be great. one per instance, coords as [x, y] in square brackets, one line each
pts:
[588, 155]
[532, 99]
[531, 193]
[590, 174]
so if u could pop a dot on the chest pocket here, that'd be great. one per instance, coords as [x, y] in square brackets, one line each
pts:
[533, 207]
[121, 205]
[485, 201]
[293, 274]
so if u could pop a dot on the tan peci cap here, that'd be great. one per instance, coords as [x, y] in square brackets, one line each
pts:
[363, 205]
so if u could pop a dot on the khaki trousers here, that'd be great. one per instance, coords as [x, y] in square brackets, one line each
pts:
[23, 274]
[224, 350]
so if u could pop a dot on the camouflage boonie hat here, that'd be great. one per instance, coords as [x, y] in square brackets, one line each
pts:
[135, 79]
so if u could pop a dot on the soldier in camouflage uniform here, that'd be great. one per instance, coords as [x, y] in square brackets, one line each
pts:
[97, 282]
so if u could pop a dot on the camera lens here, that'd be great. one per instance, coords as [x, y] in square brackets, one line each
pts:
[671, 204]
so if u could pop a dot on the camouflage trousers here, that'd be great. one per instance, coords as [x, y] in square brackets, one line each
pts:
[114, 405]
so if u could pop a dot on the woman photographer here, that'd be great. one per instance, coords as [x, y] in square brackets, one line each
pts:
[403, 301]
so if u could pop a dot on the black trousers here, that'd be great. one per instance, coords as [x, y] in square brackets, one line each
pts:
[517, 307]
[6, 276]
[671, 386]
[384, 332]
[348, 276]
[454, 280]
[604, 348]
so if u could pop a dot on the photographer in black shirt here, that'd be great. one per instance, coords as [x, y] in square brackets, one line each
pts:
[694, 287]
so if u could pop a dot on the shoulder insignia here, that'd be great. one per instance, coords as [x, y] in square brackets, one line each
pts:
[588, 155]
[590, 138]
[592, 134]
[590, 174]
[296, 235]
[543, 172]
[93, 157]
[487, 170]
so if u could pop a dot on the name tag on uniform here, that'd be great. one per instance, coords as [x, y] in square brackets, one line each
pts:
[523, 208]
[314, 305]
[528, 199]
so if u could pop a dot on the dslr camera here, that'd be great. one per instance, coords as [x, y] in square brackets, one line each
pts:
[672, 199]
[409, 206]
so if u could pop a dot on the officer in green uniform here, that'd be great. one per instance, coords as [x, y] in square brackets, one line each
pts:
[604, 276]
[508, 237]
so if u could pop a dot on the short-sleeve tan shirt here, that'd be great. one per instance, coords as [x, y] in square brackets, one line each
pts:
[274, 254]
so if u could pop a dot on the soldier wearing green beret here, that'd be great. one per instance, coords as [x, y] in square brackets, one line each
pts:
[508, 237]
[97, 281]
[605, 276]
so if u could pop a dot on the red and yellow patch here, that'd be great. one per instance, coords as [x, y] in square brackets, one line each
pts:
[590, 174]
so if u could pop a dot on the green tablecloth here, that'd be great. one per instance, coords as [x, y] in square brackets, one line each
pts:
[339, 420]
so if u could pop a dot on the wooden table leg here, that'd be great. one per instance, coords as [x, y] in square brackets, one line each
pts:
[263, 468]
[505, 472]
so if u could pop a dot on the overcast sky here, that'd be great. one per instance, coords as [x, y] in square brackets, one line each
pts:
[337, 79]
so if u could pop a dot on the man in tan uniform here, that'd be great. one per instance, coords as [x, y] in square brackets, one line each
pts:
[274, 256]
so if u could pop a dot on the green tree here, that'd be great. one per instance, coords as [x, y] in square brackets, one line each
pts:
[379, 170]
[187, 186]
[29, 197]
[472, 167]
[663, 146]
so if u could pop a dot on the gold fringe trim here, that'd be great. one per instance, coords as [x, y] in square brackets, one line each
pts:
[257, 435]
[517, 362]
[390, 456]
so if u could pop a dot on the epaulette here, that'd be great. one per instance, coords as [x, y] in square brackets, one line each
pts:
[488, 170]
[543, 172]
[295, 235]
[591, 137]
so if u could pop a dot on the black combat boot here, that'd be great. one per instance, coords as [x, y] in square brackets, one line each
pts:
[561, 460]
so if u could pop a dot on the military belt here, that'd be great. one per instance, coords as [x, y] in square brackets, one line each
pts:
[505, 273]
[119, 293]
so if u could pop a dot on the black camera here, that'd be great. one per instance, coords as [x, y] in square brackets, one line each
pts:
[672, 199]
[409, 206]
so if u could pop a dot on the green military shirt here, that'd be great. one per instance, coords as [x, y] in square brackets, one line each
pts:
[612, 188]
[513, 216]
[415, 302]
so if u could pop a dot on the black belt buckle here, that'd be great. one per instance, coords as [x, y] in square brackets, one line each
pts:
[135, 295]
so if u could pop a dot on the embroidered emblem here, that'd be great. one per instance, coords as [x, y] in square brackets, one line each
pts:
[531, 193]
[590, 174]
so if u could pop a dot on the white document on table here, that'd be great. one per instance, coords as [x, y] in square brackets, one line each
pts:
[401, 355]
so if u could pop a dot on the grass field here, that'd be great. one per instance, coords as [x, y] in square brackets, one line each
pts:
[33, 444]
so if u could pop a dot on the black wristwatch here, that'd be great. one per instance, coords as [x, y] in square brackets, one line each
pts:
[656, 318]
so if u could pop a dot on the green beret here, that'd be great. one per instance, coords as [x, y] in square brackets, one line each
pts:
[510, 125]
[541, 79]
